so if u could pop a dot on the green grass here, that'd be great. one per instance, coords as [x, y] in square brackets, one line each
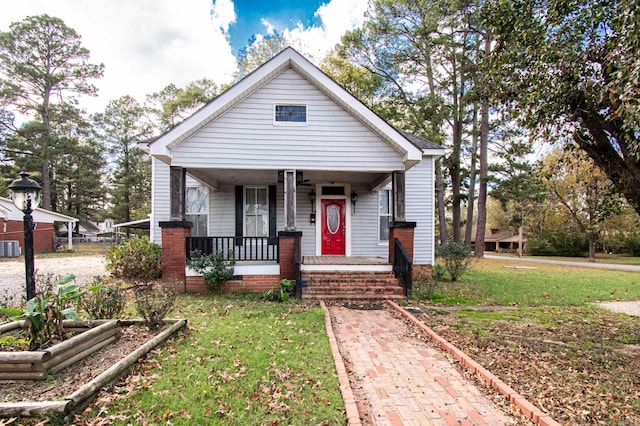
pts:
[495, 282]
[619, 259]
[242, 362]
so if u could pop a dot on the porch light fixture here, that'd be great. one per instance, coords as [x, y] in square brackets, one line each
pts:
[354, 200]
[25, 194]
[312, 200]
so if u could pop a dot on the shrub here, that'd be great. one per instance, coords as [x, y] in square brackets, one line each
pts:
[559, 244]
[424, 287]
[286, 289]
[106, 302]
[154, 304]
[137, 261]
[438, 271]
[457, 259]
[214, 268]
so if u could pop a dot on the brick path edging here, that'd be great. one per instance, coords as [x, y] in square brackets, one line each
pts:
[526, 408]
[353, 415]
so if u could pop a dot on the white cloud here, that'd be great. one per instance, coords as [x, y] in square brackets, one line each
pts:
[270, 28]
[337, 17]
[147, 44]
[144, 44]
[223, 14]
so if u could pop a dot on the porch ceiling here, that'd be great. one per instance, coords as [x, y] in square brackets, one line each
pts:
[215, 177]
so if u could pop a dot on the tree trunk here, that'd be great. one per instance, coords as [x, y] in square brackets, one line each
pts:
[592, 247]
[442, 216]
[472, 177]
[484, 167]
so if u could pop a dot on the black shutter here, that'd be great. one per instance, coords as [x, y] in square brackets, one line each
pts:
[239, 213]
[273, 214]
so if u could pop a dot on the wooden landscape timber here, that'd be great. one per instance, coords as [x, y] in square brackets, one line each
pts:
[86, 393]
[37, 365]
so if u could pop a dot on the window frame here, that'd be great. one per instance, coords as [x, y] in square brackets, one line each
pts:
[381, 215]
[245, 210]
[276, 122]
[207, 206]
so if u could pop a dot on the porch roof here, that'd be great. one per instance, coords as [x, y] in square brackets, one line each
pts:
[214, 177]
[411, 150]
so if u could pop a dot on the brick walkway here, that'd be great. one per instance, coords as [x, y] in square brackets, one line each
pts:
[405, 380]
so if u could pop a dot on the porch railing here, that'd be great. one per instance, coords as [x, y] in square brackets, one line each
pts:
[240, 248]
[402, 267]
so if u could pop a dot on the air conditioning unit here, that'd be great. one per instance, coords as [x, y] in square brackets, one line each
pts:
[9, 248]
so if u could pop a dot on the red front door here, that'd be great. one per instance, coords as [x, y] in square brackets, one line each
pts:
[333, 227]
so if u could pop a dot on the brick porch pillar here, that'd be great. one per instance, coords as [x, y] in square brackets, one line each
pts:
[403, 231]
[287, 253]
[174, 256]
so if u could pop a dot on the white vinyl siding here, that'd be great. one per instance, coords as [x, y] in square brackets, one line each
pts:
[245, 137]
[160, 208]
[222, 212]
[419, 185]
[364, 225]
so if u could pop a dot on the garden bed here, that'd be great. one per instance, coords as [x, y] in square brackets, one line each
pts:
[38, 365]
[74, 386]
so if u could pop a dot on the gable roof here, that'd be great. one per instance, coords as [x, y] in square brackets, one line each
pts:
[411, 150]
[420, 142]
[39, 215]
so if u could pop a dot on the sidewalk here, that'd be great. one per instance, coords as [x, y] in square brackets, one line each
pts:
[403, 380]
[609, 266]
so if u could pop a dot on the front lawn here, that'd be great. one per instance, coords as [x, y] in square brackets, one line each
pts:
[243, 361]
[497, 282]
[543, 336]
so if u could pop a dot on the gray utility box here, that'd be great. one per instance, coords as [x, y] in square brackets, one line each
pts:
[9, 248]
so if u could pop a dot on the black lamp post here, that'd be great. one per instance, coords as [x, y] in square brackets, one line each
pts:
[25, 194]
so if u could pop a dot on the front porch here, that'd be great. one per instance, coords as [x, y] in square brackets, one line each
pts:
[260, 263]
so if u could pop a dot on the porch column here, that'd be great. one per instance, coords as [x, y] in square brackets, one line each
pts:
[403, 231]
[174, 252]
[289, 254]
[178, 189]
[398, 190]
[69, 236]
[289, 200]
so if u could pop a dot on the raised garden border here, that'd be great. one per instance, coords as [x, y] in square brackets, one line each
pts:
[87, 392]
[37, 365]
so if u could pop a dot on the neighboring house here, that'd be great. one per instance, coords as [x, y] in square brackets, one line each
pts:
[292, 174]
[501, 241]
[90, 230]
[12, 226]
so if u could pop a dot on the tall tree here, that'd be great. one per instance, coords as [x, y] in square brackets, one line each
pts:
[570, 71]
[121, 128]
[519, 190]
[259, 50]
[427, 52]
[172, 104]
[78, 187]
[42, 67]
[577, 184]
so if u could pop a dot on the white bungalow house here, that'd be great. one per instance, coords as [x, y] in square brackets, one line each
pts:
[294, 177]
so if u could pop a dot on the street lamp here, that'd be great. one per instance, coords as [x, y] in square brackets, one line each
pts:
[25, 194]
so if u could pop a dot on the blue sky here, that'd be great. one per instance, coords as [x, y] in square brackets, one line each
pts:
[147, 44]
[282, 14]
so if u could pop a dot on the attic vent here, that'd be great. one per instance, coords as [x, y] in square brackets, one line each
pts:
[290, 113]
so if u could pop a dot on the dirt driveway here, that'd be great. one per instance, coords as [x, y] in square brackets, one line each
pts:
[12, 281]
